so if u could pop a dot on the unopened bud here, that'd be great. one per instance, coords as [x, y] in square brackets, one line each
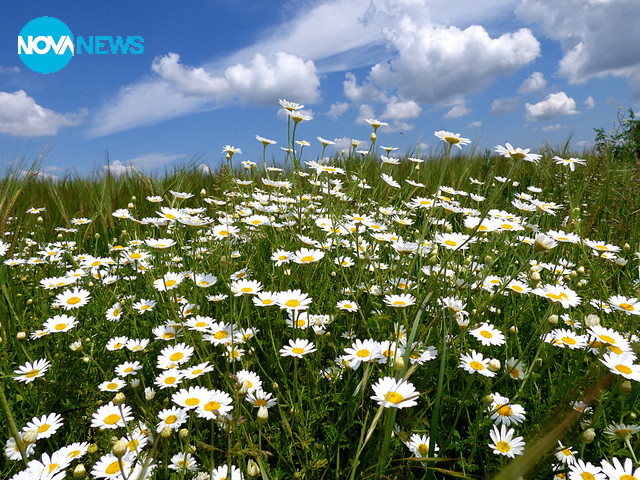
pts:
[203, 193]
[21, 335]
[120, 448]
[130, 205]
[86, 359]
[535, 277]
[244, 388]
[59, 236]
[621, 262]
[552, 320]
[96, 236]
[513, 330]
[398, 363]
[591, 320]
[581, 270]
[29, 437]
[149, 393]
[488, 399]
[166, 432]
[39, 219]
[135, 382]
[263, 414]
[29, 301]
[633, 416]
[183, 433]
[91, 449]
[625, 387]
[275, 386]
[79, 471]
[119, 399]
[494, 365]
[253, 470]
[588, 435]
[76, 346]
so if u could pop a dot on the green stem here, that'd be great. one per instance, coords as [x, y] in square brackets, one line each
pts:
[6, 412]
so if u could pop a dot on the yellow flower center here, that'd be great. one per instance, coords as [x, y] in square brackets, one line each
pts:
[43, 428]
[171, 419]
[32, 373]
[451, 243]
[211, 406]
[423, 449]
[170, 283]
[624, 369]
[517, 288]
[393, 397]
[503, 447]
[73, 300]
[452, 140]
[607, 338]
[504, 410]
[363, 353]
[486, 334]
[476, 365]
[221, 334]
[112, 419]
[112, 468]
[628, 477]
[292, 303]
[176, 356]
[307, 259]
[569, 340]
[60, 326]
[112, 386]
[399, 303]
[192, 401]
[627, 307]
[297, 350]
[170, 380]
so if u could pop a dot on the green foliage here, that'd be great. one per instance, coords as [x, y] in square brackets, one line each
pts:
[624, 140]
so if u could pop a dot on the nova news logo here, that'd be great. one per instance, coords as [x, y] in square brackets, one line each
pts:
[46, 45]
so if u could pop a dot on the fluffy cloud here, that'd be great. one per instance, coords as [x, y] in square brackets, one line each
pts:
[21, 116]
[590, 37]
[337, 109]
[554, 105]
[457, 111]
[476, 124]
[190, 80]
[589, 102]
[504, 105]
[360, 94]
[147, 161]
[401, 109]
[533, 83]
[436, 64]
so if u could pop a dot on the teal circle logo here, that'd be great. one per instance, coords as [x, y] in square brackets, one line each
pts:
[45, 45]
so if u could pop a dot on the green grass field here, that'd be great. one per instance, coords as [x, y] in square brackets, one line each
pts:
[463, 315]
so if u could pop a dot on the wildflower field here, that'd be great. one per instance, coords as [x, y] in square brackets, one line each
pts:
[364, 315]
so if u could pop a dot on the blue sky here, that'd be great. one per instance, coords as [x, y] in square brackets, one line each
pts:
[520, 71]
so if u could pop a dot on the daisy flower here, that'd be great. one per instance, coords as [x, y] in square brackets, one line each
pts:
[178, 353]
[454, 241]
[28, 372]
[582, 470]
[389, 180]
[419, 446]
[218, 403]
[110, 466]
[128, 368]
[297, 348]
[248, 381]
[44, 426]
[245, 287]
[196, 370]
[400, 301]
[260, 399]
[144, 305]
[111, 416]
[452, 138]
[517, 153]
[70, 299]
[392, 393]
[558, 293]
[504, 442]
[116, 343]
[224, 473]
[506, 413]
[487, 334]
[615, 470]
[160, 243]
[348, 305]
[614, 341]
[306, 255]
[621, 431]
[190, 398]
[630, 306]
[204, 280]
[169, 379]
[168, 282]
[293, 300]
[476, 363]
[220, 333]
[59, 323]
[622, 365]
[113, 385]
[515, 369]
[566, 455]
[362, 351]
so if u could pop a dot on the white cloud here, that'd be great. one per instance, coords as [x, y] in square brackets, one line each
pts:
[362, 94]
[533, 83]
[589, 102]
[436, 64]
[551, 128]
[504, 105]
[365, 111]
[476, 124]
[590, 36]
[337, 109]
[21, 116]
[148, 161]
[457, 111]
[8, 70]
[554, 105]
[190, 80]
[401, 109]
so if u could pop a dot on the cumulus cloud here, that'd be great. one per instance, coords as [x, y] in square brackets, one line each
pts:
[554, 105]
[476, 124]
[436, 64]
[337, 109]
[589, 102]
[148, 161]
[21, 116]
[457, 111]
[360, 94]
[533, 83]
[551, 128]
[401, 109]
[589, 33]
[190, 80]
[504, 105]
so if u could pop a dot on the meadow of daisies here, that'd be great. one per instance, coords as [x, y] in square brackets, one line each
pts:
[362, 315]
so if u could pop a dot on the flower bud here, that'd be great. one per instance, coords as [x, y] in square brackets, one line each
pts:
[552, 320]
[263, 414]
[91, 449]
[588, 435]
[96, 236]
[120, 448]
[39, 219]
[513, 330]
[621, 262]
[86, 359]
[253, 470]
[135, 382]
[119, 399]
[183, 433]
[591, 320]
[488, 399]
[21, 335]
[626, 387]
[535, 277]
[79, 471]
[76, 346]
[29, 437]
[166, 432]
[398, 363]
[494, 365]
[149, 393]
